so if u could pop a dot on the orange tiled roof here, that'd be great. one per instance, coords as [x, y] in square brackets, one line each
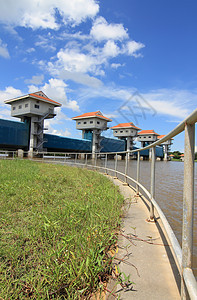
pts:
[92, 114]
[45, 98]
[182, 155]
[161, 136]
[35, 95]
[148, 132]
[125, 125]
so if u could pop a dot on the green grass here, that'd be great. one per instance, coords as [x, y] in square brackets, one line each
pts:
[57, 226]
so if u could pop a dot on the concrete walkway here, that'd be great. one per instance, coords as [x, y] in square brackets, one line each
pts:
[151, 266]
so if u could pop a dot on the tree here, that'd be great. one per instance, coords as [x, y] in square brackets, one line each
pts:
[176, 154]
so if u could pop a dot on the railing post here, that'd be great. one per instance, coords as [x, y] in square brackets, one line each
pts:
[54, 156]
[126, 168]
[86, 159]
[138, 172]
[75, 158]
[106, 163]
[188, 203]
[152, 188]
[116, 163]
[95, 159]
[64, 157]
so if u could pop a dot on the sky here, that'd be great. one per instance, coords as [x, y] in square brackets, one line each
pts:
[134, 60]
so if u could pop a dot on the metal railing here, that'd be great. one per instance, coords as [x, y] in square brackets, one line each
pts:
[183, 256]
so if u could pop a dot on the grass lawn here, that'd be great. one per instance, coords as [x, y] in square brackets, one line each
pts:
[57, 226]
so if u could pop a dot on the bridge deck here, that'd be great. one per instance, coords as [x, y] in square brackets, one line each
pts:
[151, 266]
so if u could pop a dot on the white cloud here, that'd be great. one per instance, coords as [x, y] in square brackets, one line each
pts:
[9, 93]
[168, 102]
[132, 47]
[56, 90]
[74, 60]
[41, 14]
[37, 79]
[5, 113]
[101, 30]
[116, 65]
[45, 43]
[30, 50]
[54, 125]
[3, 50]
[172, 102]
[110, 49]
[81, 78]
[89, 57]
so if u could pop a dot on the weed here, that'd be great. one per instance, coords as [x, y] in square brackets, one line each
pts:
[57, 226]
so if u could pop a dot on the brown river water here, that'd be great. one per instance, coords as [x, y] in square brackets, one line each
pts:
[168, 194]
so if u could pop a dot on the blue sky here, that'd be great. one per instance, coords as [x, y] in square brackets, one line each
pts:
[134, 60]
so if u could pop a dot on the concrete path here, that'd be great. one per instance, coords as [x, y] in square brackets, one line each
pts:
[147, 264]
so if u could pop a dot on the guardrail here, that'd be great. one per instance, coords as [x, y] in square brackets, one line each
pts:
[183, 256]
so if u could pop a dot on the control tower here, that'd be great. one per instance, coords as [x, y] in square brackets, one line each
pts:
[166, 146]
[147, 137]
[34, 108]
[126, 131]
[92, 124]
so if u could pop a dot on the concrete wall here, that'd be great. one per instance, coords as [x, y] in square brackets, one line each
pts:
[91, 123]
[30, 107]
[147, 138]
[124, 132]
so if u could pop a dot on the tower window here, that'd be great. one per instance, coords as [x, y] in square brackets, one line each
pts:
[121, 131]
[26, 105]
[20, 106]
[98, 122]
[14, 107]
[79, 123]
[91, 122]
[37, 106]
[126, 130]
[84, 122]
[149, 137]
[116, 131]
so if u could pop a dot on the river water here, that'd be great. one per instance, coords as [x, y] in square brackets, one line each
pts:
[169, 192]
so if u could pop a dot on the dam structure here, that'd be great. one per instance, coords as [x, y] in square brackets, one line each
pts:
[29, 134]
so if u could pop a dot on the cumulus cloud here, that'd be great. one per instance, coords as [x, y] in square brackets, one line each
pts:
[36, 79]
[9, 93]
[90, 57]
[110, 49]
[45, 43]
[116, 65]
[3, 50]
[42, 14]
[132, 47]
[56, 90]
[168, 102]
[54, 125]
[81, 78]
[101, 30]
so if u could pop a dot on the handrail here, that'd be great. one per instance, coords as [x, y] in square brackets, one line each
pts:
[183, 256]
